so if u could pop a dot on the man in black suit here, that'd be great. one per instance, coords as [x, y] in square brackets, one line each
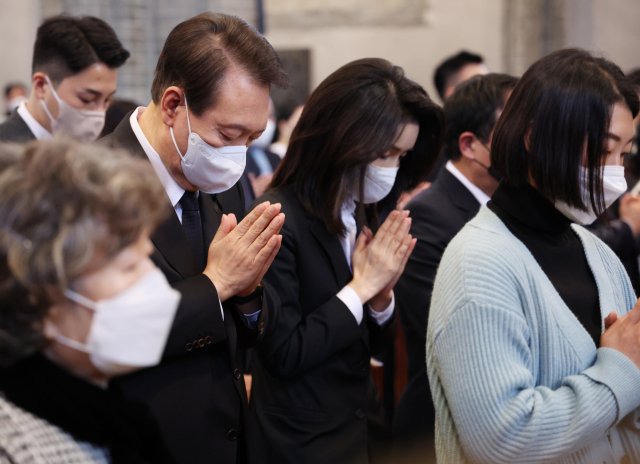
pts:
[210, 99]
[75, 68]
[437, 216]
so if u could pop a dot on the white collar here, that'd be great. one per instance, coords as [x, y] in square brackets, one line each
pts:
[482, 197]
[35, 127]
[174, 191]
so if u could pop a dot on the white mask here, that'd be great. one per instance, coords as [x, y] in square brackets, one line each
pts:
[212, 170]
[129, 331]
[267, 136]
[378, 182]
[82, 125]
[613, 185]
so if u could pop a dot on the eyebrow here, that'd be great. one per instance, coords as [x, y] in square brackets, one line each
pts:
[95, 92]
[241, 128]
[616, 138]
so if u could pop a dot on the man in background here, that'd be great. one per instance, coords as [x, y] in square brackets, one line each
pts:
[14, 94]
[75, 68]
[455, 70]
[464, 184]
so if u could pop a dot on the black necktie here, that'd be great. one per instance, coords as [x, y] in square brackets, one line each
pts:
[193, 225]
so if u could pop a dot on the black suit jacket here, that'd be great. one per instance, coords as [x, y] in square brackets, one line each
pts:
[313, 398]
[15, 130]
[197, 393]
[437, 216]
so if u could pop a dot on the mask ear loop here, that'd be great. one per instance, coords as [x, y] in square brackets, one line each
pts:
[188, 124]
[55, 94]
[81, 300]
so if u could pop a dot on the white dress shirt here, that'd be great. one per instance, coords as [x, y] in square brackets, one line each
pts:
[482, 197]
[174, 191]
[348, 295]
[35, 127]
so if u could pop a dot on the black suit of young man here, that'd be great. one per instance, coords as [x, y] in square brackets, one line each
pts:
[15, 130]
[437, 215]
[197, 393]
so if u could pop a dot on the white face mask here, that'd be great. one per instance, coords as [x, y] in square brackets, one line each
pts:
[378, 182]
[82, 125]
[212, 170]
[613, 185]
[129, 331]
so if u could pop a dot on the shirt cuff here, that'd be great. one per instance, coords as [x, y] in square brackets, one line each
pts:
[384, 316]
[351, 299]
[252, 319]
[221, 310]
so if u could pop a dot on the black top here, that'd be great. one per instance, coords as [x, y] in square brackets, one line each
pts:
[15, 130]
[547, 233]
[101, 417]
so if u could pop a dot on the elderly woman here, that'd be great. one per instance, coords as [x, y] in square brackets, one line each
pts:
[80, 302]
[520, 365]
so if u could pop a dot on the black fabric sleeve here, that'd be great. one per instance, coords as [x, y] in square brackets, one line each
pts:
[198, 316]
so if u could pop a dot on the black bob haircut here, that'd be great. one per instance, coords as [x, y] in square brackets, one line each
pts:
[350, 120]
[452, 65]
[473, 107]
[563, 101]
[67, 45]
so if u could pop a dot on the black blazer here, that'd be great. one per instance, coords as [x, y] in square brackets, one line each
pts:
[197, 393]
[313, 398]
[437, 216]
[15, 130]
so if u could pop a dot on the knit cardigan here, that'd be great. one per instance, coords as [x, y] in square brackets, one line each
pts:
[514, 376]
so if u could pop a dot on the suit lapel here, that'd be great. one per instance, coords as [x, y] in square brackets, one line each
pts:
[331, 244]
[169, 238]
[459, 194]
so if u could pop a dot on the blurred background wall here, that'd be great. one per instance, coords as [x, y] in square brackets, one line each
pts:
[315, 37]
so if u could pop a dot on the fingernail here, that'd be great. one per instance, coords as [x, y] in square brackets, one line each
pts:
[272, 209]
[277, 221]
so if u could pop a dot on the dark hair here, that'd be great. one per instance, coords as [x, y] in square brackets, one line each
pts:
[62, 205]
[634, 76]
[473, 107]
[116, 112]
[67, 45]
[199, 51]
[563, 100]
[350, 120]
[452, 65]
[12, 85]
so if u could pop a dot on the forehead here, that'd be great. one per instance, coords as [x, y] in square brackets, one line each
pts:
[408, 136]
[621, 124]
[98, 77]
[241, 101]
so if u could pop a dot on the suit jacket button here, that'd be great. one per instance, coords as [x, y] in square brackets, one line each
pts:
[201, 342]
[362, 366]
[261, 328]
[189, 347]
[232, 435]
[208, 340]
[237, 374]
[360, 414]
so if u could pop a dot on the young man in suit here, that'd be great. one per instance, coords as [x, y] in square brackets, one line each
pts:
[463, 185]
[75, 69]
[210, 98]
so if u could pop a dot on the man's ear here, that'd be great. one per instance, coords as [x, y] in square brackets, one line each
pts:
[171, 101]
[39, 85]
[465, 144]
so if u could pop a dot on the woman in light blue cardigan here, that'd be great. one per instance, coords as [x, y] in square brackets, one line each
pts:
[520, 366]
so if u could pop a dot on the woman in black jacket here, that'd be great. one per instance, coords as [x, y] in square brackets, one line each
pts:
[367, 134]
